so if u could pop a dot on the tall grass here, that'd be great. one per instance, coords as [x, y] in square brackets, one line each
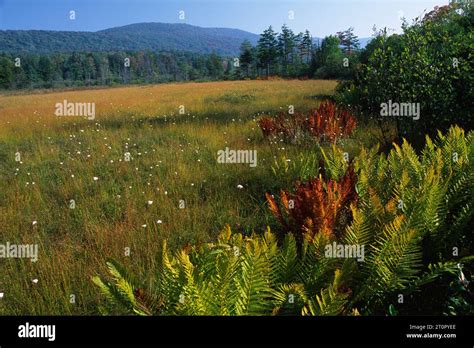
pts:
[173, 158]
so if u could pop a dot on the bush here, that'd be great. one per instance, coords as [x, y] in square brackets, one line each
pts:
[430, 64]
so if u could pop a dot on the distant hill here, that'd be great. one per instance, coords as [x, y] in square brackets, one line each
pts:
[134, 37]
[363, 41]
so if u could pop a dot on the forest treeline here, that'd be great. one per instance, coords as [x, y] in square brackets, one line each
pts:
[284, 54]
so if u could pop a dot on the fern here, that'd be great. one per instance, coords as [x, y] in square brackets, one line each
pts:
[121, 292]
[327, 123]
[331, 301]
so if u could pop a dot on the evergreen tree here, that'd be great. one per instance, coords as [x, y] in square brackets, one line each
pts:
[246, 58]
[305, 47]
[267, 50]
[286, 45]
[349, 40]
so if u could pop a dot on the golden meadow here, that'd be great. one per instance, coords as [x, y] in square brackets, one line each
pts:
[73, 193]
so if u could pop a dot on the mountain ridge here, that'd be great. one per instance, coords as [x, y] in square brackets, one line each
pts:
[132, 37]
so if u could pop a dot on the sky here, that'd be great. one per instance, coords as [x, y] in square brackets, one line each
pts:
[320, 17]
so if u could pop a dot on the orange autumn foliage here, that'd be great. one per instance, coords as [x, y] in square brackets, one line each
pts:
[316, 206]
[326, 123]
[329, 122]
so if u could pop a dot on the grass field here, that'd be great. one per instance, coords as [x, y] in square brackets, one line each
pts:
[131, 206]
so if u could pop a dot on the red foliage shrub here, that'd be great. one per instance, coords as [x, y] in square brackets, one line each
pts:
[290, 127]
[268, 126]
[330, 122]
[327, 123]
[316, 206]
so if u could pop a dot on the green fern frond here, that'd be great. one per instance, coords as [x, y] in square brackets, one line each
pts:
[286, 262]
[335, 164]
[252, 284]
[331, 300]
[121, 291]
[289, 299]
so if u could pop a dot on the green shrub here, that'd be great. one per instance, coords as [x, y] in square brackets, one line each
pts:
[431, 63]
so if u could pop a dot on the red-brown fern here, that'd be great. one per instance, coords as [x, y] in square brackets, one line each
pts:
[268, 126]
[318, 206]
[327, 123]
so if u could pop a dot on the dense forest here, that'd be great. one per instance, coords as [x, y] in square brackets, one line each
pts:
[106, 68]
[284, 54]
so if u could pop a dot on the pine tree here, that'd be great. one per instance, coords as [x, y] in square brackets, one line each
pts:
[246, 58]
[286, 45]
[267, 50]
[305, 47]
[349, 40]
